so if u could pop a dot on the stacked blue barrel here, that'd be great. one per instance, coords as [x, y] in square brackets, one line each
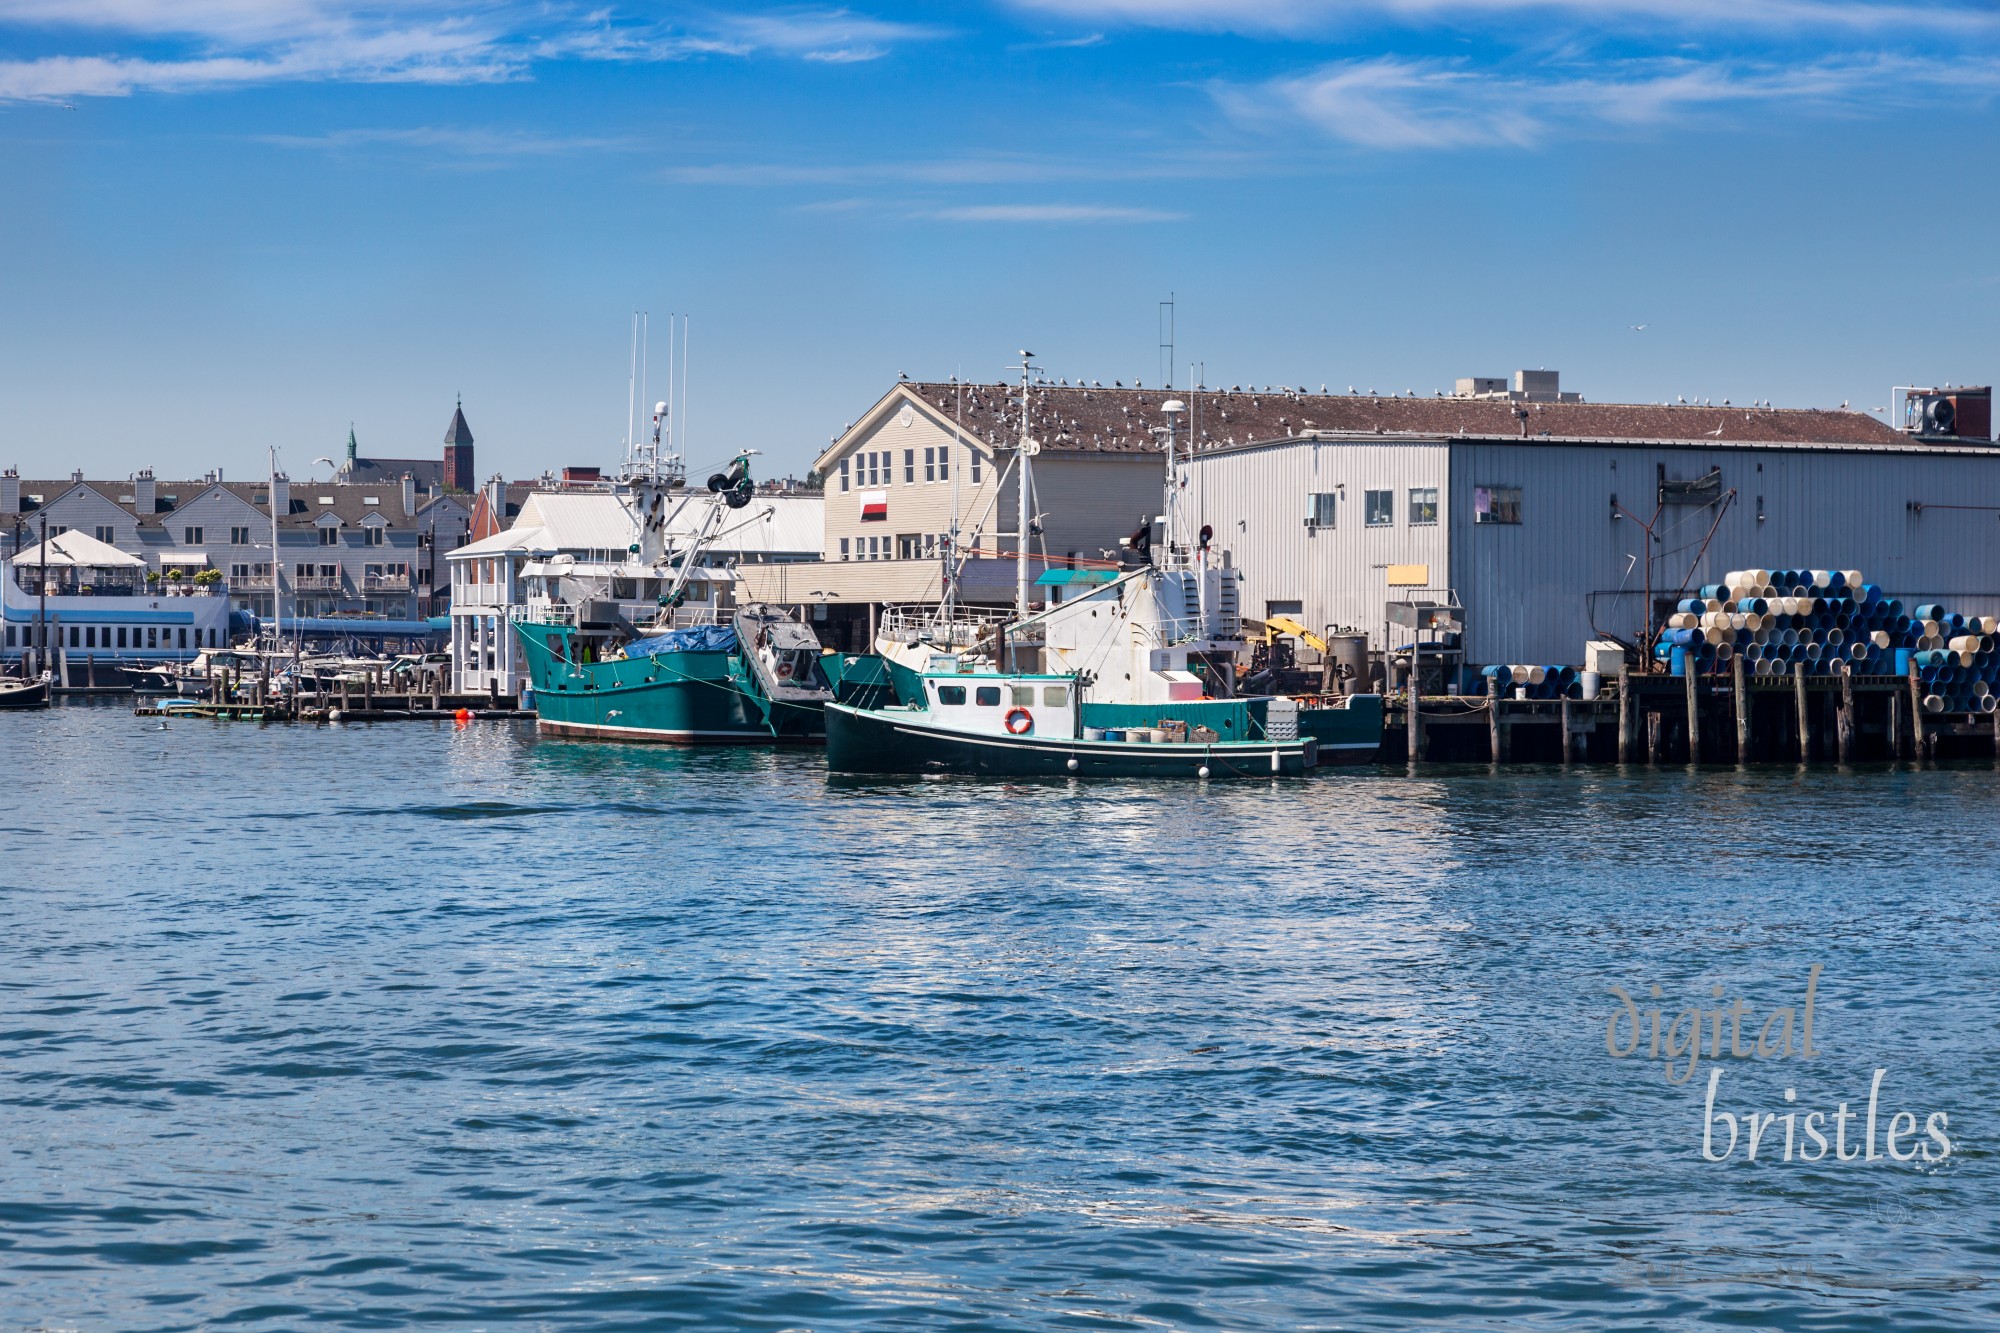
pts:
[1528, 681]
[1779, 621]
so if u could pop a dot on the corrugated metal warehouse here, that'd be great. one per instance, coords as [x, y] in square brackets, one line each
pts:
[1533, 515]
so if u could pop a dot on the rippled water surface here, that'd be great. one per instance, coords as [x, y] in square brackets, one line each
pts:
[392, 1025]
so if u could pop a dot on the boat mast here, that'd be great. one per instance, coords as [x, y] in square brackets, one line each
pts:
[1027, 450]
[277, 574]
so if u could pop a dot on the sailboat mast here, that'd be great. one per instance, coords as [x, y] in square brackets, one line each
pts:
[1022, 510]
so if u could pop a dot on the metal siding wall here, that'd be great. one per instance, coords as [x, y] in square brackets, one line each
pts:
[1525, 587]
[1255, 499]
[1091, 502]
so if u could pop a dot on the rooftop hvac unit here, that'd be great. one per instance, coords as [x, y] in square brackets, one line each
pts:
[1963, 413]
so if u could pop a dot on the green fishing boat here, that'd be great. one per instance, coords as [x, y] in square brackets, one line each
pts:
[699, 674]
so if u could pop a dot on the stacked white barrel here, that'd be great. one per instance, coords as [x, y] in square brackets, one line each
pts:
[1829, 620]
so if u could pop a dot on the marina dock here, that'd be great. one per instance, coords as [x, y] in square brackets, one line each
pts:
[1666, 719]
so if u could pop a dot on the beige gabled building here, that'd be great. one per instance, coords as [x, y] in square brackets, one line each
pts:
[930, 457]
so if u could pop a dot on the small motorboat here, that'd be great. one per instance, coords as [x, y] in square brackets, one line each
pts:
[24, 693]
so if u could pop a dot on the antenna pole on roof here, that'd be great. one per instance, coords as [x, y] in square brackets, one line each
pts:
[1167, 339]
[632, 388]
[645, 356]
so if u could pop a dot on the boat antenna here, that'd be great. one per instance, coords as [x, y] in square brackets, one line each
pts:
[632, 389]
[645, 358]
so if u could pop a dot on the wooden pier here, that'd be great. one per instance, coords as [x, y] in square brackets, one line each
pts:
[1663, 719]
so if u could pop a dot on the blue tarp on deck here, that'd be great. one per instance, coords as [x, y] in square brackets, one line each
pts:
[694, 639]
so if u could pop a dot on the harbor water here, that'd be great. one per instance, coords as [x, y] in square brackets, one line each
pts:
[391, 1025]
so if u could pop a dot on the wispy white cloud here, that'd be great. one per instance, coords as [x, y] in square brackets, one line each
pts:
[1041, 213]
[1302, 16]
[445, 53]
[1395, 103]
[451, 141]
[243, 42]
[974, 169]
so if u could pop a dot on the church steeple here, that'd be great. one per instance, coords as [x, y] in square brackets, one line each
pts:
[458, 474]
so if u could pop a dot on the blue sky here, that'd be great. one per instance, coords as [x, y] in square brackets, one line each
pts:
[236, 223]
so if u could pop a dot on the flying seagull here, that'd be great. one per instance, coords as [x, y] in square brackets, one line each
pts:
[1638, 328]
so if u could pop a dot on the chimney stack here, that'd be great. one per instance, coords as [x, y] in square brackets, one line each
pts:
[143, 493]
[10, 492]
[409, 496]
[281, 495]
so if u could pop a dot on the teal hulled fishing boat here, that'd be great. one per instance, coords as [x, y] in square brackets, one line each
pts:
[699, 673]
[1020, 725]
[695, 685]
[1124, 673]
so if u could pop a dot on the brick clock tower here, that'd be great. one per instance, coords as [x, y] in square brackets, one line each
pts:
[458, 473]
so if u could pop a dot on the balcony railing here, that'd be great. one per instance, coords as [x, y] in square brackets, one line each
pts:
[318, 583]
[385, 583]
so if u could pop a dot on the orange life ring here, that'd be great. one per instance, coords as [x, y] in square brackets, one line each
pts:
[1020, 722]
[784, 671]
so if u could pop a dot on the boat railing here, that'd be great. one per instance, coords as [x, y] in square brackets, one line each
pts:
[543, 613]
[964, 627]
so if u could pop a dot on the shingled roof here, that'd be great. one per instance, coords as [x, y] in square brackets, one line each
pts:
[1079, 419]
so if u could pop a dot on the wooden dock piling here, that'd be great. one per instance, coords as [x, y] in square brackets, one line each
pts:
[1624, 714]
[1799, 698]
[1652, 737]
[1493, 720]
[1742, 711]
[1917, 712]
[1843, 724]
[1568, 739]
[1694, 715]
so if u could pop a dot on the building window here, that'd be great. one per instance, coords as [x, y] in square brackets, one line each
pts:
[190, 536]
[930, 545]
[183, 636]
[1319, 509]
[329, 536]
[121, 636]
[1423, 504]
[239, 536]
[909, 467]
[90, 636]
[372, 536]
[930, 465]
[57, 529]
[843, 545]
[239, 571]
[944, 463]
[951, 694]
[106, 533]
[909, 546]
[843, 474]
[975, 465]
[1381, 509]
[986, 696]
[1496, 504]
[75, 637]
